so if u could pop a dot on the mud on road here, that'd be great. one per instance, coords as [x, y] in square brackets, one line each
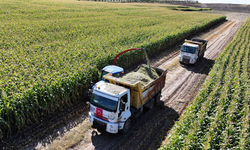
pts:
[182, 85]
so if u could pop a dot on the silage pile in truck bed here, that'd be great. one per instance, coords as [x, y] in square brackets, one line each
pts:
[145, 74]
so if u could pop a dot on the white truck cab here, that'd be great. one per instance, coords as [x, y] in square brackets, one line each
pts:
[189, 53]
[114, 70]
[117, 102]
[192, 50]
[109, 107]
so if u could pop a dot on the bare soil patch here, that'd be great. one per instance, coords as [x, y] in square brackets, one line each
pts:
[182, 85]
[243, 8]
[230, 7]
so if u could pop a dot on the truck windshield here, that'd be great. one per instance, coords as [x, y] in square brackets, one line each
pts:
[103, 74]
[188, 49]
[104, 103]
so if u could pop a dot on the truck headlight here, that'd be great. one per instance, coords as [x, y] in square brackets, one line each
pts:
[111, 116]
[180, 58]
[92, 109]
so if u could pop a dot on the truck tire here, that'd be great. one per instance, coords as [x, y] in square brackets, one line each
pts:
[151, 104]
[158, 97]
[160, 104]
[100, 130]
[126, 126]
[158, 101]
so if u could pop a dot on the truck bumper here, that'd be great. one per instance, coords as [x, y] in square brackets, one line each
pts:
[192, 61]
[102, 124]
[187, 60]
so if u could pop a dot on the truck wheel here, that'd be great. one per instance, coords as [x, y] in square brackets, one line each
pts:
[158, 101]
[160, 104]
[126, 126]
[141, 110]
[100, 130]
[151, 104]
[158, 97]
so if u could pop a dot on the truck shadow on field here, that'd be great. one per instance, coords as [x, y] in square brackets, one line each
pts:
[147, 131]
[202, 67]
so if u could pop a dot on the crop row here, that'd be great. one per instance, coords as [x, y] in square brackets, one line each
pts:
[219, 116]
[51, 50]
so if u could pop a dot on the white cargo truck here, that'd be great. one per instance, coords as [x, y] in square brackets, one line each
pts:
[192, 51]
[115, 104]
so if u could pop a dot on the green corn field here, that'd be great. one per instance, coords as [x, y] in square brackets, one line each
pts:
[50, 50]
[219, 116]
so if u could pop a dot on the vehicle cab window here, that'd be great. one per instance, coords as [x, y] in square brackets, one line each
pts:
[118, 75]
[103, 74]
[124, 100]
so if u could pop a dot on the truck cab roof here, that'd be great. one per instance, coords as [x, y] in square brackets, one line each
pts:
[191, 45]
[110, 89]
[113, 69]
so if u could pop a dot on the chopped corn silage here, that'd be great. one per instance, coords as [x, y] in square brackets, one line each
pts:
[145, 75]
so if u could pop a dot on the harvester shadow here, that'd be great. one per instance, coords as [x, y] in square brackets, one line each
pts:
[201, 67]
[156, 122]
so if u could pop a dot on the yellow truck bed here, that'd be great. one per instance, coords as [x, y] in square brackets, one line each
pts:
[202, 44]
[140, 94]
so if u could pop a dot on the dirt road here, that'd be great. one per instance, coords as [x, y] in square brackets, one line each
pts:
[182, 85]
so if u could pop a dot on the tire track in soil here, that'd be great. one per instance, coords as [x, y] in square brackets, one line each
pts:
[47, 126]
[178, 93]
[150, 129]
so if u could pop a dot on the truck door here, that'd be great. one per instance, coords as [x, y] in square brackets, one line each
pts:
[123, 105]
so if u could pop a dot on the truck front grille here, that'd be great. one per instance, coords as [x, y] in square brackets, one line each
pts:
[99, 124]
[186, 59]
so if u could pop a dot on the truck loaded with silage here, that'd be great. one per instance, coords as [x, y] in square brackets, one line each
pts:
[192, 51]
[115, 104]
